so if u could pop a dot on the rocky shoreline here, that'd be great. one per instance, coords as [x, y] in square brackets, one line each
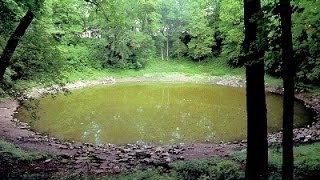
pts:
[109, 159]
[233, 81]
[306, 134]
[309, 133]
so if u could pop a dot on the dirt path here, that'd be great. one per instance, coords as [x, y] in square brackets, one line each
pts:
[107, 158]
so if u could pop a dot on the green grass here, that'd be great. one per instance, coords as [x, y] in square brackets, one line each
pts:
[306, 161]
[16, 163]
[213, 67]
[272, 81]
[211, 168]
[18, 154]
[156, 67]
[143, 175]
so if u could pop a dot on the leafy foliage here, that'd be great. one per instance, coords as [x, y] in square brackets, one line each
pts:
[231, 27]
[201, 36]
[36, 57]
[307, 41]
[77, 36]
[305, 38]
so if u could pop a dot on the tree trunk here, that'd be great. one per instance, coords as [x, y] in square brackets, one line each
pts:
[288, 84]
[162, 58]
[257, 149]
[13, 42]
[167, 47]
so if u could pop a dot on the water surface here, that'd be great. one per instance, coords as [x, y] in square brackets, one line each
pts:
[158, 113]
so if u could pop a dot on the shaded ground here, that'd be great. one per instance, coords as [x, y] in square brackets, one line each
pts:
[108, 159]
[40, 167]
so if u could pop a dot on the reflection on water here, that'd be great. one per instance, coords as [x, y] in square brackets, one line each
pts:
[150, 113]
[92, 132]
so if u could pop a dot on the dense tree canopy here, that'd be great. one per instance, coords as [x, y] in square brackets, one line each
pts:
[74, 35]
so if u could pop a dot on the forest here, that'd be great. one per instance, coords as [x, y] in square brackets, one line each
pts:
[79, 36]
[263, 45]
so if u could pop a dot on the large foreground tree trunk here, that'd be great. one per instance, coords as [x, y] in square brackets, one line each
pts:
[13, 42]
[257, 150]
[288, 84]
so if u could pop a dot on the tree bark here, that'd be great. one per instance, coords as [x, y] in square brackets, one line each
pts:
[13, 42]
[257, 147]
[288, 84]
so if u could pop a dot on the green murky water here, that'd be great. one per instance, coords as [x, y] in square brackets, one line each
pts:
[159, 113]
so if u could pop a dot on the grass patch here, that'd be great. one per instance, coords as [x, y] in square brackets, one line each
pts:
[210, 67]
[18, 154]
[213, 67]
[272, 81]
[211, 168]
[143, 175]
[15, 163]
[157, 68]
[306, 161]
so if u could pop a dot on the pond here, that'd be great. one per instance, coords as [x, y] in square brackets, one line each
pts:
[152, 113]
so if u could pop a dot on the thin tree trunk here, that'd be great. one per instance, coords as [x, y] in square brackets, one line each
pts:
[257, 149]
[167, 47]
[288, 84]
[162, 56]
[13, 42]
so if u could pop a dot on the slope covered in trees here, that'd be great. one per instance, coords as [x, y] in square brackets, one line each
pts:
[72, 36]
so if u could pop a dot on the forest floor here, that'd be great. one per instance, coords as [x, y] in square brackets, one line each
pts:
[65, 157]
